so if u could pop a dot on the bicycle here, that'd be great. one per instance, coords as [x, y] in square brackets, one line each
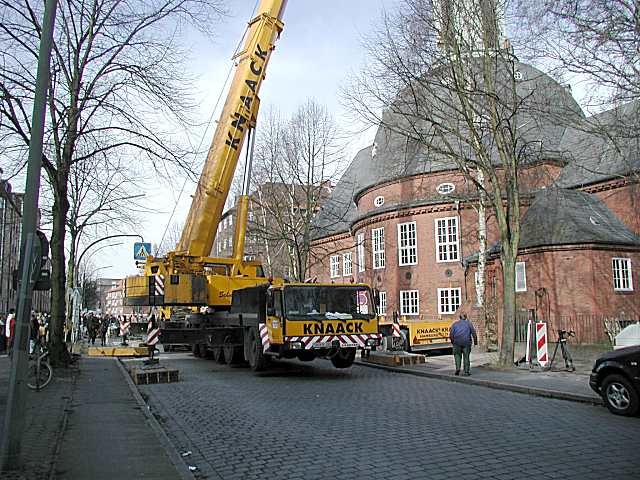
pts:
[40, 372]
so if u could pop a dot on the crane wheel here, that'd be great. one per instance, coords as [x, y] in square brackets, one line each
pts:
[258, 361]
[232, 354]
[344, 358]
[218, 355]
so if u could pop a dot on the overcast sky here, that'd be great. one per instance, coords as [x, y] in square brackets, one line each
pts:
[320, 45]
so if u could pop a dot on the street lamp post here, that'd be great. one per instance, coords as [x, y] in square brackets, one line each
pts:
[79, 300]
[98, 241]
[87, 276]
[75, 313]
[10, 452]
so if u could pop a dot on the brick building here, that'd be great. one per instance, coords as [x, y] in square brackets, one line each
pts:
[277, 217]
[114, 302]
[103, 287]
[10, 231]
[402, 219]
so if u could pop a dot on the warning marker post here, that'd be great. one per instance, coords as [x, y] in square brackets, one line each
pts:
[537, 354]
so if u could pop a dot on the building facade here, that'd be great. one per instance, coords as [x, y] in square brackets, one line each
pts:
[279, 216]
[405, 222]
[10, 232]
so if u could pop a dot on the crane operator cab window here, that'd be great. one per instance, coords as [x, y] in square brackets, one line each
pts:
[332, 303]
[274, 303]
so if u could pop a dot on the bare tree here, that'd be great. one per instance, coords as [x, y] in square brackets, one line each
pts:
[103, 199]
[118, 88]
[595, 45]
[448, 86]
[296, 162]
[170, 239]
[593, 42]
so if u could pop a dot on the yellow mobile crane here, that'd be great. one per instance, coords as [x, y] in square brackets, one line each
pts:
[244, 315]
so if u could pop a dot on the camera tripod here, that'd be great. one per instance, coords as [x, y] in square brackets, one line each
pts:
[563, 335]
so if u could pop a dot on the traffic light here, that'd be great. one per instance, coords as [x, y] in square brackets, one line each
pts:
[40, 273]
[43, 277]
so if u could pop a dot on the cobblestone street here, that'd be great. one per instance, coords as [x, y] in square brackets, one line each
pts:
[312, 421]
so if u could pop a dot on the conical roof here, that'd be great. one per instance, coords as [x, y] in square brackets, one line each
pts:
[559, 216]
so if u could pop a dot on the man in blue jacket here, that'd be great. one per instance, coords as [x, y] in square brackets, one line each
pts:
[461, 335]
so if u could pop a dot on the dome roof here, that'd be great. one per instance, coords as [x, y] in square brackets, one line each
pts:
[339, 211]
[549, 119]
[546, 108]
[602, 147]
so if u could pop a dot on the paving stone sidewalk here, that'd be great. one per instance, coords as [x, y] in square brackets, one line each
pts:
[108, 436]
[555, 383]
[44, 420]
[90, 423]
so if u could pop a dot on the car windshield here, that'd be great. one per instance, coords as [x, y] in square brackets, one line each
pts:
[318, 302]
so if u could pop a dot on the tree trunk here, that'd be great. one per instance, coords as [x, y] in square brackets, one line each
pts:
[70, 280]
[482, 242]
[58, 355]
[508, 307]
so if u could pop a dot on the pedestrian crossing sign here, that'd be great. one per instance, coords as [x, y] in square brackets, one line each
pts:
[141, 250]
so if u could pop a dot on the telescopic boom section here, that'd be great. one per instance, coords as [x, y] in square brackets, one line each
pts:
[238, 115]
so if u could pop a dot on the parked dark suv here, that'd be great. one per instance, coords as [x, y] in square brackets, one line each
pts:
[616, 376]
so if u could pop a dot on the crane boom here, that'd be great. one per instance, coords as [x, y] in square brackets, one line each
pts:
[238, 116]
[227, 307]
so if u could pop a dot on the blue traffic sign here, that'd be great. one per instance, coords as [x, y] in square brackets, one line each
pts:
[141, 250]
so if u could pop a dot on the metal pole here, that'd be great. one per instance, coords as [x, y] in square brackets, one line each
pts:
[14, 415]
[98, 241]
[75, 309]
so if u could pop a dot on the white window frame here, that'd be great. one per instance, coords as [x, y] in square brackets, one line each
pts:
[378, 201]
[409, 245]
[447, 309]
[622, 274]
[347, 264]
[334, 266]
[412, 298]
[377, 242]
[382, 303]
[360, 251]
[447, 244]
[523, 275]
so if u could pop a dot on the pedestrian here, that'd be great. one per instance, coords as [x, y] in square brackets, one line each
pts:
[11, 328]
[124, 330]
[104, 327]
[34, 332]
[153, 332]
[3, 338]
[92, 329]
[461, 334]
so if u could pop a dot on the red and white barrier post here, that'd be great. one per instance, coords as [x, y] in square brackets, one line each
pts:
[541, 344]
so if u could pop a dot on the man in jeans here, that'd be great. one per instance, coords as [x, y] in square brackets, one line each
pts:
[461, 334]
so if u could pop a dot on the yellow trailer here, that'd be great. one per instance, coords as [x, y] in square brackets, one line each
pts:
[418, 334]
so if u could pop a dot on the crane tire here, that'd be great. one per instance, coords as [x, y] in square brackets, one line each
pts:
[344, 358]
[258, 361]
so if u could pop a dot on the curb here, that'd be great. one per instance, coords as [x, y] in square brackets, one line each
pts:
[166, 443]
[62, 427]
[538, 392]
